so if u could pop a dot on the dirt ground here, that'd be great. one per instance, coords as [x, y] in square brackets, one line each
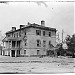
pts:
[36, 64]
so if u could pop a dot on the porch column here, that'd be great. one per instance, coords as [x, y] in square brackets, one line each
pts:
[2, 52]
[10, 54]
[3, 44]
[8, 44]
[15, 53]
[11, 44]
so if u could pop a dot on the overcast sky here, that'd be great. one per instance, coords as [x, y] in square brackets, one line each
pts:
[59, 15]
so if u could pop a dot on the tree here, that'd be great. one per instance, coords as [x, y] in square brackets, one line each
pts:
[60, 50]
[1, 37]
[70, 41]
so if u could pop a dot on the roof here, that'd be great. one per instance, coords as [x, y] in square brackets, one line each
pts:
[34, 26]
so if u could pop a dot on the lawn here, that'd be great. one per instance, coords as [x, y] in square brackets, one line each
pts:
[36, 64]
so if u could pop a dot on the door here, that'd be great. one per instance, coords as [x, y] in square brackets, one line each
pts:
[18, 52]
[13, 53]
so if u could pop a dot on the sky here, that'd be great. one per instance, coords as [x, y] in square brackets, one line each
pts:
[59, 15]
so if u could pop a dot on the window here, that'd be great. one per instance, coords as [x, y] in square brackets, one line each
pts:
[18, 44]
[44, 43]
[17, 35]
[20, 33]
[38, 32]
[38, 43]
[43, 33]
[13, 44]
[9, 44]
[24, 51]
[14, 35]
[25, 32]
[38, 52]
[49, 42]
[49, 34]
[25, 42]
[8, 35]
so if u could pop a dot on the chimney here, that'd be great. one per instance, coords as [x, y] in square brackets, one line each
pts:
[13, 28]
[42, 23]
[29, 23]
[21, 26]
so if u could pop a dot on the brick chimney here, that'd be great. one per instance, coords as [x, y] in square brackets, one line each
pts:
[13, 28]
[42, 23]
[21, 26]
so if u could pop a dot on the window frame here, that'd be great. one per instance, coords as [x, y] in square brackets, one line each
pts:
[38, 52]
[25, 42]
[44, 33]
[8, 35]
[17, 35]
[38, 43]
[24, 51]
[25, 33]
[49, 43]
[49, 34]
[44, 43]
[14, 35]
[38, 32]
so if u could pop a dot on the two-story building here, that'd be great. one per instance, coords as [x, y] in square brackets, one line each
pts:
[31, 39]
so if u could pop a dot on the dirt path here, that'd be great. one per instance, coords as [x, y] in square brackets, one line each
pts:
[36, 65]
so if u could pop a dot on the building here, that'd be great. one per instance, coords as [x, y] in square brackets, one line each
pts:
[29, 40]
[0, 50]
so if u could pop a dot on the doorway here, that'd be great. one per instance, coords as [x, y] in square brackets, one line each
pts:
[13, 53]
[18, 53]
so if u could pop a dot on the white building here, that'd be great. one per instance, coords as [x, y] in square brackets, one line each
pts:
[31, 39]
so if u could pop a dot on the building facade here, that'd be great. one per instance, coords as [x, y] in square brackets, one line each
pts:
[29, 40]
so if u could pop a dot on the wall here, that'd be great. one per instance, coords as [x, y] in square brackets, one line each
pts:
[31, 47]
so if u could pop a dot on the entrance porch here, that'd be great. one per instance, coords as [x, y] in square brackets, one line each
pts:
[14, 53]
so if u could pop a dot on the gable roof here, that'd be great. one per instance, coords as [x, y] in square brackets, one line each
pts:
[34, 26]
